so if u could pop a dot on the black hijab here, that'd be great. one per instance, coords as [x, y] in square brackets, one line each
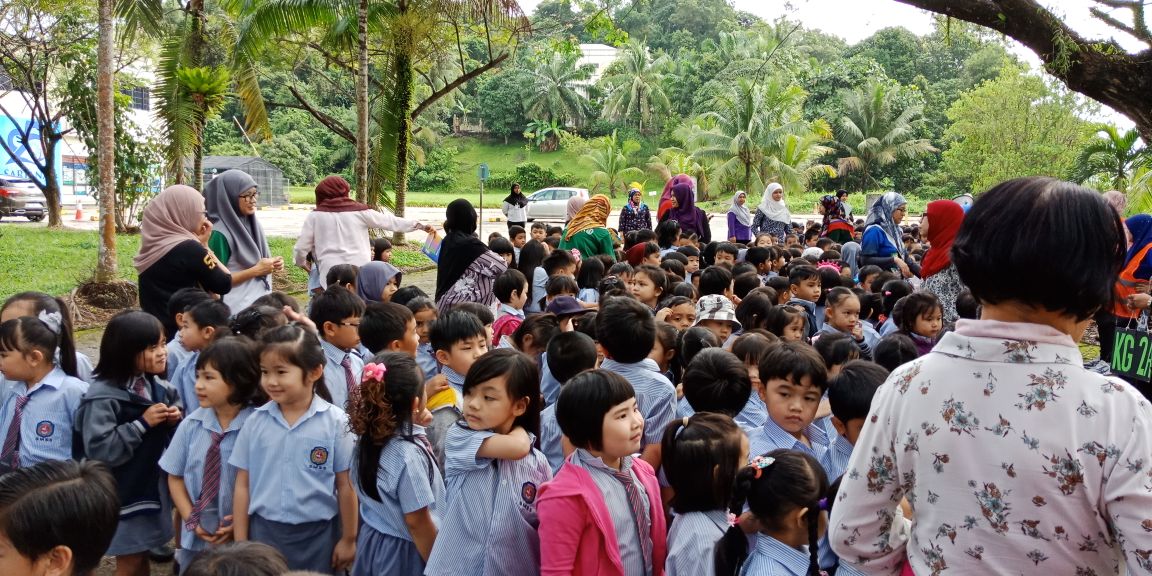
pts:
[460, 247]
[516, 197]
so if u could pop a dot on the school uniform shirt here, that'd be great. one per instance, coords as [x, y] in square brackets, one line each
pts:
[692, 543]
[336, 377]
[549, 385]
[814, 322]
[456, 381]
[292, 468]
[655, 395]
[629, 529]
[489, 526]
[754, 414]
[589, 295]
[407, 480]
[46, 420]
[551, 438]
[539, 280]
[426, 359]
[177, 355]
[684, 409]
[771, 557]
[186, 457]
[184, 381]
[1016, 459]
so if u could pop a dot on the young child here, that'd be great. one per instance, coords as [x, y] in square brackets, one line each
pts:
[481, 311]
[293, 490]
[200, 325]
[56, 518]
[55, 314]
[336, 313]
[602, 514]
[40, 399]
[458, 339]
[382, 250]
[748, 348]
[344, 276]
[693, 265]
[648, 284]
[425, 313]
[387, 326]
[568, 354]
[588, 279]
[894, 350]
[511, 290]
[783, 491]
[837, 349]
[533, 336]
[518, 236]
[702, 455]
[399, 486]
[842, 314]
[715, 381]
[493, 473]
[539, 231]
[200, 479]
[716, 280]
[126, 420]
[181, 300]
[247, 558]
[664, 350]
[726, 253]
[850, 395]
[626, 331]
[921, 320]
[892, 292]
[788, 322]
[378, 281]
[804, 284]
[678, 311]
[717, 314]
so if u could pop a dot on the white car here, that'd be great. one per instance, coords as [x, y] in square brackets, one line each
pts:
[552, 203]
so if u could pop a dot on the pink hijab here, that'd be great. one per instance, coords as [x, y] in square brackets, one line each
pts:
[170, 218]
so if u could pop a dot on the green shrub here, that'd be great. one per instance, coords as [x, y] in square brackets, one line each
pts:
[438, 171]
[531, 176]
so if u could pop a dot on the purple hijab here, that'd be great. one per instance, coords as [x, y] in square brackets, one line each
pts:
[690, 217]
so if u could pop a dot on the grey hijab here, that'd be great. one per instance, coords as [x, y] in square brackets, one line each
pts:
[850, 253]
[244, 234]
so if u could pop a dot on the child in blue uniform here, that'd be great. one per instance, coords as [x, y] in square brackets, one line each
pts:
[39, 399]
[459, 338]
[199, 325]
[293, 489]
[336, 313]
[53, 312]
[399, 486]
[493, 473]
[199, 477]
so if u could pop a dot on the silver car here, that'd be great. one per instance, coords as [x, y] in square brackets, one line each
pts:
[552, 203]
[20, 197]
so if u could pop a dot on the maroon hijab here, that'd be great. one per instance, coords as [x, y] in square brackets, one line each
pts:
[332, 196]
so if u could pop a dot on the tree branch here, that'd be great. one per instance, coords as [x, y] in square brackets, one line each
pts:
[328, 121]
[449, 87]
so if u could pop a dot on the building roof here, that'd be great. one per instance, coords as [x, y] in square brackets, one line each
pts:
[229, 162]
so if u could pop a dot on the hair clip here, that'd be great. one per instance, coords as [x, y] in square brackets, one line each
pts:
[828, 264]
[373, 372]
[823, 504]
[760, 463]
[52, 319]
[575, 254]
[887, 292]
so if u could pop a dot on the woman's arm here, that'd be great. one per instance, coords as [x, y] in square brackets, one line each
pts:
[732, 222]
[240, 497]
[423, 530]
[304, 244]
[383, 220]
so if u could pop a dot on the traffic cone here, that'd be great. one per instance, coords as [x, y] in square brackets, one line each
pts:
[79, 211]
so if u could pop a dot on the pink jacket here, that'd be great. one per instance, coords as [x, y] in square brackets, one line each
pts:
[576, 532]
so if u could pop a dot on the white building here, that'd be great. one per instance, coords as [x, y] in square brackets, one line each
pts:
[598, 55]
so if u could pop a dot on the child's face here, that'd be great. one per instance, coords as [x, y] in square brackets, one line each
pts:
[764, 241]
[645, 290]
[807, 289]
[507, 258]
[791, 406]
[662, 356]
[569, 271]
[778, 263]
[693, 264]
[844, 316]
[192, 336]
[464, 353]
[411, 340]
[754, 376]
[623, 430]
[538, 234]
[721, 328]
[794, 331]
[284, 382]
[18, 366]
[389, 289]
[519, 298]
[866, 283]
[519, 240]
[344, 335]
[682, 316]
[424, 319]
[928, 324]
[211, 389]
[153, 359]
[386, 255]
[13, 562]
[652, 259]
[722, 257]
[488, 406]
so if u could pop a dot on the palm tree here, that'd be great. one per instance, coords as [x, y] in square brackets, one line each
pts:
[610, 159]
[874, 134]
[1112, 156]
[556, 92]
[671, 161]
[794, 159]
[204, 90]
[635, 86]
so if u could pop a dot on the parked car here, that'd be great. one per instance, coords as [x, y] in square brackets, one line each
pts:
[552, 203]
[20, 197]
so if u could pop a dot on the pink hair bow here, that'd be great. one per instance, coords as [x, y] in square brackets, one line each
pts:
[373, 373]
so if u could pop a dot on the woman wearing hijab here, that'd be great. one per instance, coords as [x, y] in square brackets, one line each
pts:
[772, 214]
[336, 232]
[882, 244]
[515, 207]
[588, 231]
[666, 200]
[238, 239]
[850, 253]
[575, 203]
[467, 268]
[173, 232]
[836, 225]
[377, 281]
[635, 214]
[692, 219]
[740, 219]
[939, 226]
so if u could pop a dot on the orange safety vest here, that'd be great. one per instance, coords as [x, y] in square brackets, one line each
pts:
[1128, 285]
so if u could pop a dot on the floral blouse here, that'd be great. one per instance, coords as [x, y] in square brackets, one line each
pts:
[636, 219]
[946, 285]
[1015, 459]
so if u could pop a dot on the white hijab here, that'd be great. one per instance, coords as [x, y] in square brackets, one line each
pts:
[774, 210]
[741, 210]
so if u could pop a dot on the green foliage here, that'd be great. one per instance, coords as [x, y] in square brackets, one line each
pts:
[500, 102]
[553, 92]
[876, 132]
[635, 87]
[1111, 156]
[531, 176]
[438, 171]
[609, 157]
[290, 152]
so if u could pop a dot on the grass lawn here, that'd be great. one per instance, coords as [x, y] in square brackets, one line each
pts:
[56, 261]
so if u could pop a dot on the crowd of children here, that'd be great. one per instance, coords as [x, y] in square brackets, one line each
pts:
[681, 409]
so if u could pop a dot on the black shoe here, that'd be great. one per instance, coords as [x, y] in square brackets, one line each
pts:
[161, 553]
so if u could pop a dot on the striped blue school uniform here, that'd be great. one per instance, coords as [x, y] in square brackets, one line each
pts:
[426, 359]
[185, 457]
[624, 521]
[692, 543]
[655, 395]
[549, 385]
[292, 469]
[46, 421]
[551, 443]
[754, 414]
[184, 381]
[489, 526]
[334, 374]
[771, 557]
[456, 381]
[177, 355]
[407, 481]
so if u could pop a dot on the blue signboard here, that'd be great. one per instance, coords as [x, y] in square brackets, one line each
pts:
[11, 135]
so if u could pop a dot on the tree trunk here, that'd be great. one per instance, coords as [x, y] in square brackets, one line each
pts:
[362, 107]
[51, 184]
[404, 129]
[198, 160]
[106, 135]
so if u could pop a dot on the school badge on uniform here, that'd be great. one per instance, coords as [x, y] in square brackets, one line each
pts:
[45, 429]
[319, 456]
[528, 492]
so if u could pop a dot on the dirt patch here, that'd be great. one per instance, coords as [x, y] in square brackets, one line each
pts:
[94, 303]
